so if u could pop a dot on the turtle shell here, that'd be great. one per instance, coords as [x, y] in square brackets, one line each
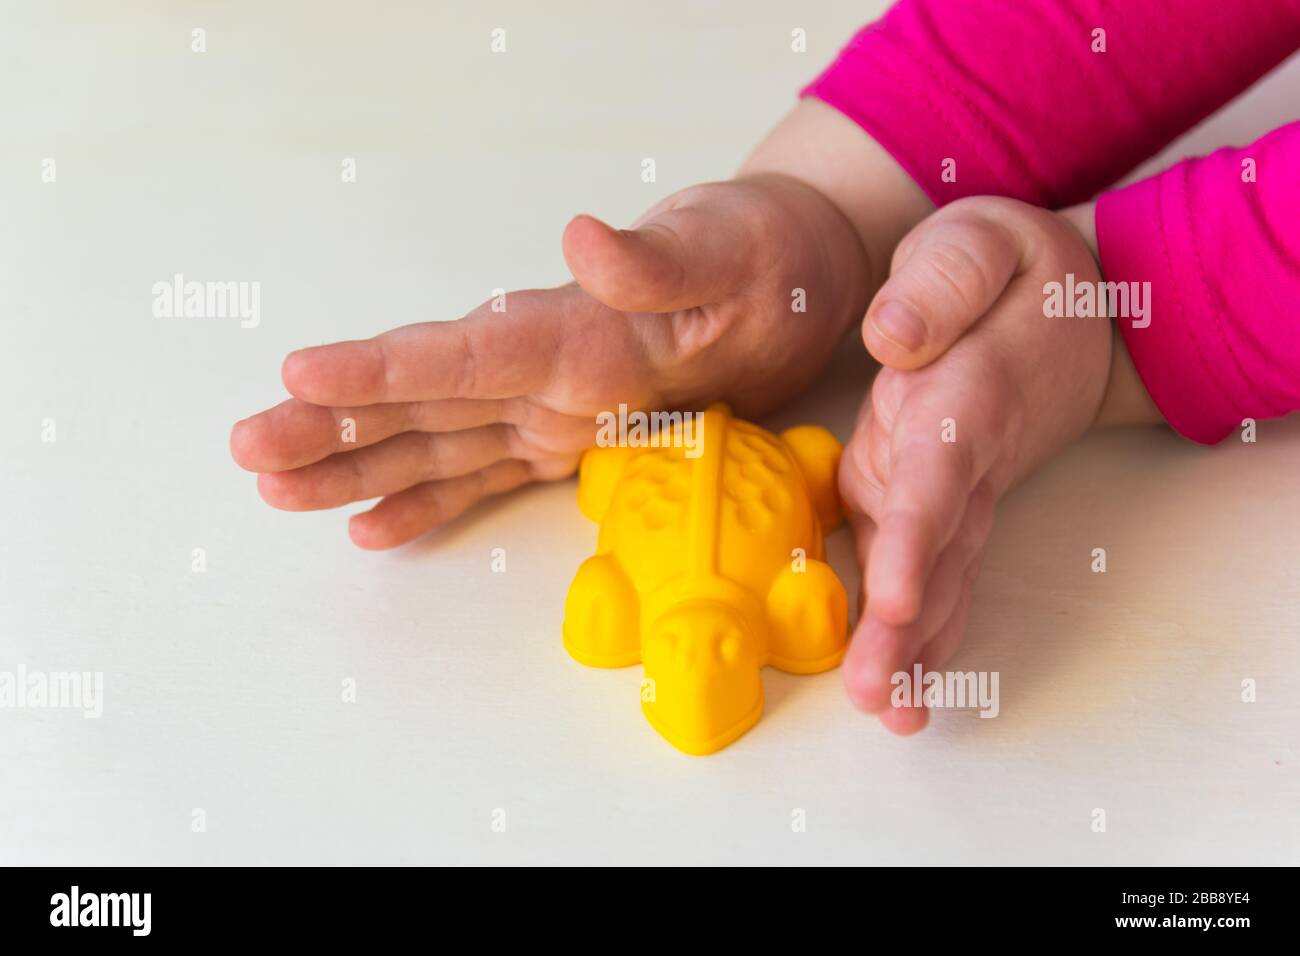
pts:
[738, 509]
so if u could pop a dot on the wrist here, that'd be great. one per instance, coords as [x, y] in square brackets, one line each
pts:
[1126, 401]
[824, 149]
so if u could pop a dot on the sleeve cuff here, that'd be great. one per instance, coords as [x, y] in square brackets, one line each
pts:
[1145, 236]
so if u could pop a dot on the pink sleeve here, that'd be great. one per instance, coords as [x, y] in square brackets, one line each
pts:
[1013, 100]
[1218, 239]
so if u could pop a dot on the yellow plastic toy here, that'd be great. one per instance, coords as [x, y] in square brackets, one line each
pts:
[709, 565]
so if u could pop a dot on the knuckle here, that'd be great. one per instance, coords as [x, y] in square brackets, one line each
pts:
[387, 374]
[433, 454]
[466, 382]
[694, 195]
[902, 252]
[861, 479]
[961, 274]
[885, 397]
[480, 483]
[433, 504]
[356, 475]
[919, 522]
[518, 442]
[964, 462]
[553, 469]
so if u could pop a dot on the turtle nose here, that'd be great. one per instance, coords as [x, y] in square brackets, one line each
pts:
[703, 669]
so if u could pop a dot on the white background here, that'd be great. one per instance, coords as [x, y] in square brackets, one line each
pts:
[1119, 691]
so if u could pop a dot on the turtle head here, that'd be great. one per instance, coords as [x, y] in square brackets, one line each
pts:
[702, 686]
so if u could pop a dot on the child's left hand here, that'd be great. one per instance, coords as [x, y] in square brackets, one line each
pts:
[691, 306]
[937, 444]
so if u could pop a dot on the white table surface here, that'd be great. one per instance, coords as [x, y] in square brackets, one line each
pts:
[1119, 691]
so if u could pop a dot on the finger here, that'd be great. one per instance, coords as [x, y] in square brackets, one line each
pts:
[408, 514]
[940, 284]
[944, 585]
[896, 703]
[870, 664]
[864, 532]
[862, 489]
[296, 433]
[388, 467]
[486, 355]
[948, 639]
[905, 720]
[909, 719]
[689, 254]
[877, 651]
[944, 441]
[861, 483]
[886, 397]
[861, 492]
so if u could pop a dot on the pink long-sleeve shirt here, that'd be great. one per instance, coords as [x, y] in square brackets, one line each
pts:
[1050, 101]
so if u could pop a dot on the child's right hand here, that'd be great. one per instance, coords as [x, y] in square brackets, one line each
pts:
[693, 304]
[938, 442]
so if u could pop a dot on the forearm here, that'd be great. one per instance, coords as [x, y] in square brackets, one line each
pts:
[1043, 101]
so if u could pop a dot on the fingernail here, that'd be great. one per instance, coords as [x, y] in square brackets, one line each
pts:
[898, 323]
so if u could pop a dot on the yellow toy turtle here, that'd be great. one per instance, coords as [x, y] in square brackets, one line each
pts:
[709, 564]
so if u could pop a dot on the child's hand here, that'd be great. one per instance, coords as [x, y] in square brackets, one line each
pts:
[695, 304]
[936, 445]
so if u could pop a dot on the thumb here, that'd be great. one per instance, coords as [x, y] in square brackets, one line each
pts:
[946, 274]
[677, 258]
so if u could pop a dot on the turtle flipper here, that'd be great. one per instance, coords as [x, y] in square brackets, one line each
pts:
[808, 614]
[602, 614]
[818, 453]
